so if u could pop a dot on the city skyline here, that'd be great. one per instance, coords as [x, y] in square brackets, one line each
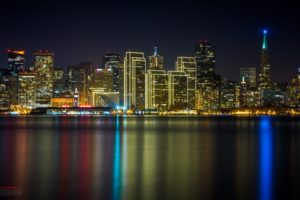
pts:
[235, 31]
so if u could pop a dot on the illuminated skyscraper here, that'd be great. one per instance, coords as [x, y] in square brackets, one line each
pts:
[27, 89]
[156, 90]
[248, 75]
[59, 82]
[16, 61]
[112, 61]
[134, 80]
[293, 91]
[178, 90]
[208, 82]
[228, 94]
[206, 62]
[156, 62]
[81, 77]
[7, 89]
[265, 73]
[264, 80]
[43, 65]
[188, 65]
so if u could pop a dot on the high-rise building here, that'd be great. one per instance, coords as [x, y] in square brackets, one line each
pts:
[59, 83]
[265, 85]
[80, 77]
[188, 65]
[112, 61]
[206, 62]
[293, 91]
[43, 66]
[16, 61]
[178, 90]
[7, 86]
[102, 92]
[228, 94]
[156, 62]
[134, 80]
[156, 90]
[27, 89]
[103, 78]
[248, 75]
[208, 82]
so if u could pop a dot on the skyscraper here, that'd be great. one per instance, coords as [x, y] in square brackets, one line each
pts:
[112, 62]
[178, 90]
[134, 80]
[206, 62]
[156, 62]
[59, 82]
[27, 89]
[43, 65]
[102, 92]
[188, 65]
[156, 90]
[264, 80]
[16, 61]
[7, 84]
[248, 75]
[80, 77]
[208, 82]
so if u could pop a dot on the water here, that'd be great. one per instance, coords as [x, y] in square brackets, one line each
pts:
[151, 157]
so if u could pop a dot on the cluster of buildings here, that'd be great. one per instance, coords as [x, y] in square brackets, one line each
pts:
[137, 83]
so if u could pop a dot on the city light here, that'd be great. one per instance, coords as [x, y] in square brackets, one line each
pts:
[136, 86]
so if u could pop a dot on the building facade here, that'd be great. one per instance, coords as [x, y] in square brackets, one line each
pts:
[134, 80]
[156, 90]
[43, 66]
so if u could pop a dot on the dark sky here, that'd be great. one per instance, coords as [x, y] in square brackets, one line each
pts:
[84, 31]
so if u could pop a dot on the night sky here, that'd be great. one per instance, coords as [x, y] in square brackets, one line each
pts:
[84, 31]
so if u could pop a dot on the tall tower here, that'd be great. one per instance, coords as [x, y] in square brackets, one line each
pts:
[264, 75]
[206, 61]
[43, 65]
[112, 61]
[134, 80]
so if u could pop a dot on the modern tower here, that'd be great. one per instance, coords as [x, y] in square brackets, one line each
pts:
[112, 62]
[81, 77]
[43, 65]
[156, 62]
[206, 61]
[188, 65]
[156, 94]
[134, 80]
[265, 73]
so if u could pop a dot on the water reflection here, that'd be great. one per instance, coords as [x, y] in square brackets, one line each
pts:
[266, 166]
[150, 158]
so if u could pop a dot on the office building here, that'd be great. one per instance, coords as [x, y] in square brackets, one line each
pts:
[156, 96]
[112, 61]
[43, 66]
[80, 77]
[188, 65]
[134, 80]
[178, 90]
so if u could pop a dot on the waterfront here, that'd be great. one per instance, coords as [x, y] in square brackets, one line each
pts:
[151, 157]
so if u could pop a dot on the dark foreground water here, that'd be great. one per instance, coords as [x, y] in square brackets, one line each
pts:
[150, 157]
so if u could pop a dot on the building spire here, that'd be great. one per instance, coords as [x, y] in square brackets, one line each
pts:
[264, 45]
[155, 51]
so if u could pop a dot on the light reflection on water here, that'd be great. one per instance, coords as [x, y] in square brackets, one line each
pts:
[151, 158]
